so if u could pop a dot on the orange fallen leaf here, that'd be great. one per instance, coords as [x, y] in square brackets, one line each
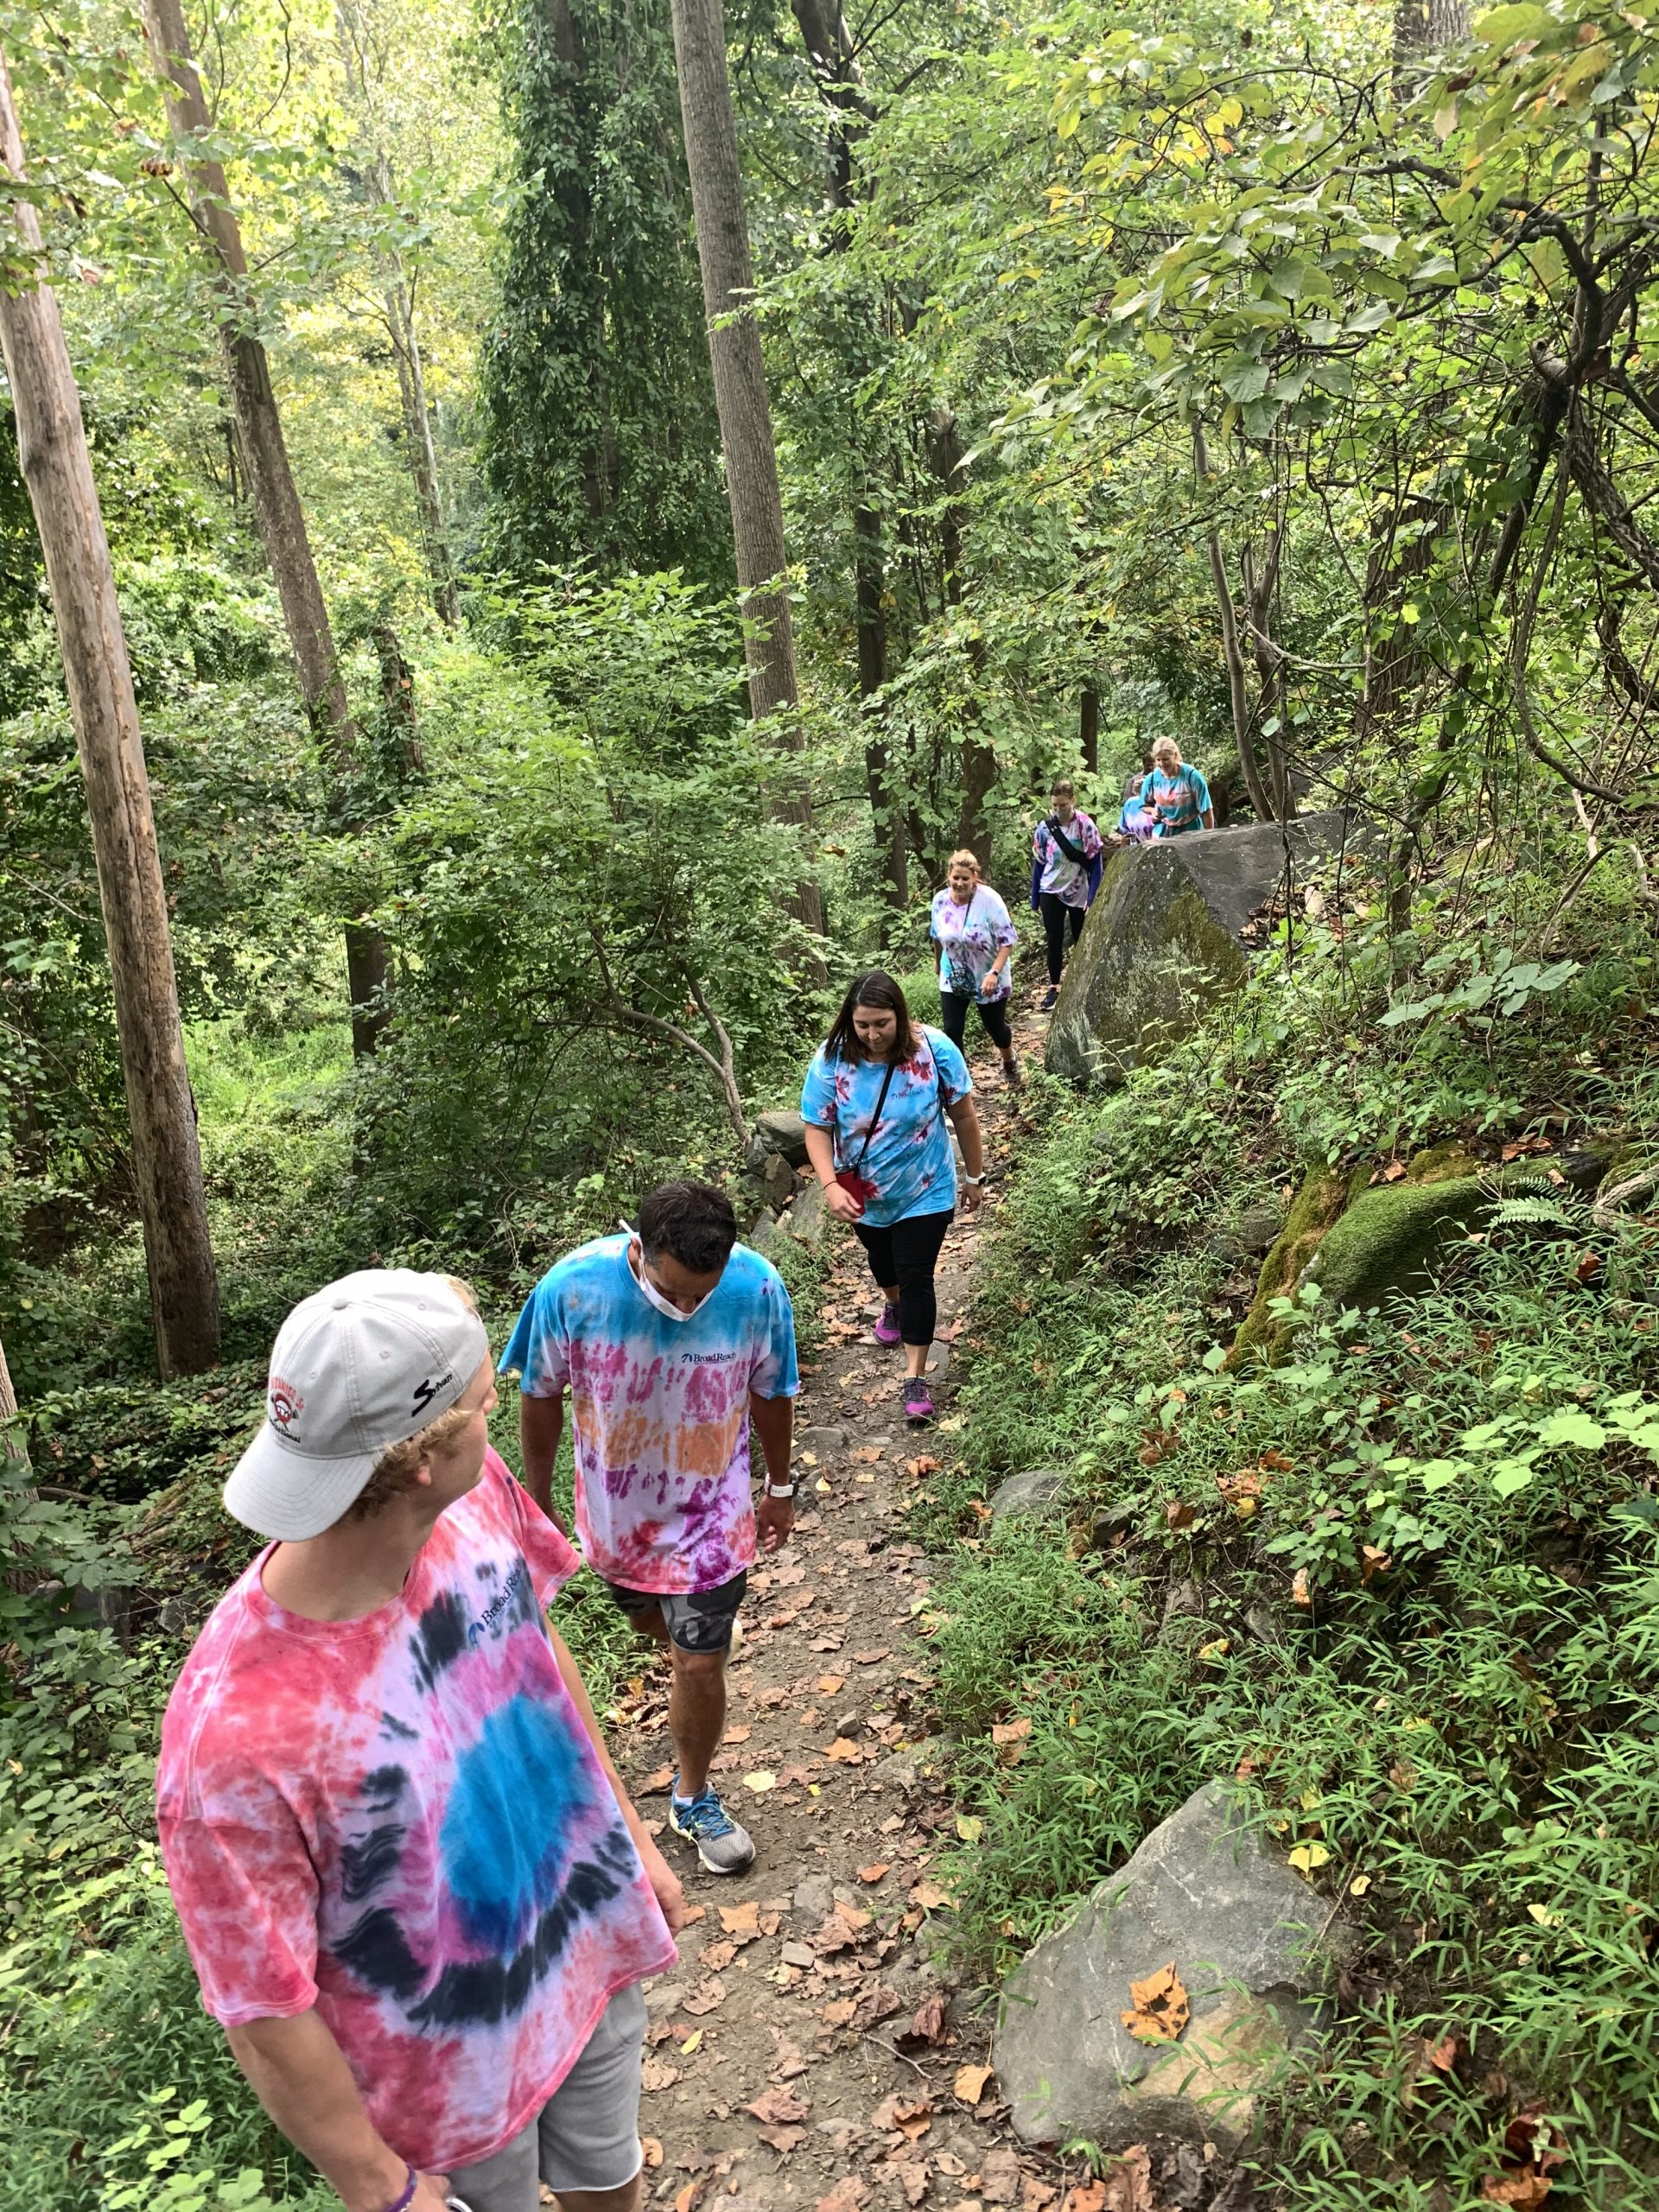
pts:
[874, 1873]
[927, 2028]
[831, 1685]
[742, 1921]
[1533, 2147]
[1300, 1593]
[1159, 2008]
[1087, 2196]
[911, 2116]
[971, 2083]
[778, 2109]
[738, 1735]
[1276, 1463]
[932, 1898]
[1180, 1514]
[652, 2151]
[843, 1753]
[1444, 2056]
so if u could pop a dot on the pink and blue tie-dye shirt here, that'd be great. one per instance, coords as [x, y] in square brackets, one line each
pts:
[664, 1497]
[401, 1821]
[909, 1159]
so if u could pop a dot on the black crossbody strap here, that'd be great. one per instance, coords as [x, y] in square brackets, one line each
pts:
[1073, 852]
[880, 1100]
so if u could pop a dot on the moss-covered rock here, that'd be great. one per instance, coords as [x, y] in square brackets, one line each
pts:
[1388, 1234]
[1162, 940]
[1316, 1207]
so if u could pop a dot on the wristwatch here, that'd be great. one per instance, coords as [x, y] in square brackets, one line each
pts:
[781, 1490]
[972, 1180]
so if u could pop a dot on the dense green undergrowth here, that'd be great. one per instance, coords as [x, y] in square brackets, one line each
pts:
[1404, 1585]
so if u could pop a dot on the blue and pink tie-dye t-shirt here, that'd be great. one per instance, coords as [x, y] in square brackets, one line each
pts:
[664, 1499]
[401, 1821]
[909, 1159]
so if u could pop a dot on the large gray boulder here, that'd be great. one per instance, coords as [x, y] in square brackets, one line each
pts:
[783, 1132]
[1163, 938]
[1246, 1935]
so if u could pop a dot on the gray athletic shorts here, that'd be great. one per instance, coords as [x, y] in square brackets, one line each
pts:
[697, 1620]
[586, 2136]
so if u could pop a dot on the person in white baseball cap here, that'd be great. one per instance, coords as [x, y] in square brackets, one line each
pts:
[413, 1888]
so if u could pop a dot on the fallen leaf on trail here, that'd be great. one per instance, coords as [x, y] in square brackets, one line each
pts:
[878, 2003]
[840, 1931]
[970, 1827]
[739, 1735]
[1444, 2056]
[999, 2177]
[1359, 1886]
[1180, 1514]
[1588, 1266]
[761, 1782]
[1009, 1737]
[1300, 1593]
[688, 2195]
[1087, 2196]
[694, 1914]
[917, 1468]
[848, 2194]
[928, 2026]
[784, 2139]
[717, 1956]
[874, 1873]
[1159, 2006]
[1127, 2183]
[1306, 1857]
[971, 2083]
[911, 2116]
[1393, 1172]
[779, 2108]
[742, 1921]
[932, 1898]
[1157, 1443]
[831, 1685]
[1533, 2148]
[843, 1753]
[868, 1454]
[871, 1658]
[662, 1779]
[657, 2074]
[912, 2177]
[650, 2152]
[1242, 1491]
[1276, 1462]
[1373, 1559]
[826, 1643]
[839, 2012]
[1403, 1775]
[704, 1998]
[691, 2043]
[1035, 2196]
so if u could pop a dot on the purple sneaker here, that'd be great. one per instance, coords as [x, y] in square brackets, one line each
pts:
[886, 1329]
[918, 1399]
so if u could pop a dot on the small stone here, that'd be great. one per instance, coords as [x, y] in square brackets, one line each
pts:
[938, 1358]
[783, 1132]
[804, 1220]
[823, 1443]
[778, 1180]
[1258, 1228]
[814, 1900]
[1037, 1490]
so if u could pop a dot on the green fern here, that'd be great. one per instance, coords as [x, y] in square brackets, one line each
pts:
[1544, 1213]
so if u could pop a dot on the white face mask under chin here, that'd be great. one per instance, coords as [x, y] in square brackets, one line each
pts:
[666, 1307]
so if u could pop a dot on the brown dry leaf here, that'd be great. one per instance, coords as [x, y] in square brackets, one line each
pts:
[779, 2108]
[1300, 1593]
[878, 2003]
[705, 1998]
[831, 1685]
[784, 2139]
[848, 2194]
[1276, 1463]
[657, 2074]
[738, 1735]
[869, 1455]
[840, 1931]
[871, 1658]
[1009, 1737]
[843, 1753]
[917, 1468]
[694, 1914]
[742, 1921]
[1159, 2007]
[662, 1779]
[928, 2026]
[932, 1898]
[875, 1874]
[838, 2013]
[999, 2177]
[717, 1956]
[1087, 2196]
[1533, 2148]
[971, 2083]
[1157, 1443]
[911, 2116]
[912, 2177]
[1179, 1514]
[1444, 2056]
[1127, 2183]
[688, 2195]
[651, 2152]
[1393, 1172]
[1403, 1775]
[1035, 2196]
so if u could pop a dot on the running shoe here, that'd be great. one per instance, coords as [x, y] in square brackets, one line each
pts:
[886, 1329]
[1048, 999]
[918, 1399]
[1015, 1075]
[723, 1847]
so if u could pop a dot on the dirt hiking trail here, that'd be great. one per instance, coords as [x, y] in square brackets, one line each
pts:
[801, 2054]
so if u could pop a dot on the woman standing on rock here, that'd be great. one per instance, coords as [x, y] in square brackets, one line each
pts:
[875, 1103]
[1176, 796]
[976, 937]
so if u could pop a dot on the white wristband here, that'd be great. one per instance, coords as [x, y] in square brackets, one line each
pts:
[973, 1181]
[781, 1490]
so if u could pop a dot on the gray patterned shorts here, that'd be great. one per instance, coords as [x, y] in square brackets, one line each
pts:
[696, 1620]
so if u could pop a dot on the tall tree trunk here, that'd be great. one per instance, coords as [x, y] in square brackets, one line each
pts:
[1232, 650]
[58, 470]
[1089, 727]
[739, 376]
[978, 758]
[1272, 699]
[11, 1443]
[886, 802]
[264, 457]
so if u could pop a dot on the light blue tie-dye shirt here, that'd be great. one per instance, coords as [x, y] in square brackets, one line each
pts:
[909, 1160]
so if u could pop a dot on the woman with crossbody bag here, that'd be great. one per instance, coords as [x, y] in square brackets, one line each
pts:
[975, 936]
[1066, 851]
[875, 1102]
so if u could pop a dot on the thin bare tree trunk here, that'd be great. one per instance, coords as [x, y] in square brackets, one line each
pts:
[886, 808]
[1232, 652]
[1089, 727]
[264, 457]
[12, 1446]
[58, 470]
[739, 377]
[978, 758]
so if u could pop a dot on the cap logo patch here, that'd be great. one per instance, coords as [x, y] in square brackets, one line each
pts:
[425, 1392]
[285, 1405]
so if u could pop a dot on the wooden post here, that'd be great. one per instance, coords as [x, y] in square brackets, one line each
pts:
[58, 470]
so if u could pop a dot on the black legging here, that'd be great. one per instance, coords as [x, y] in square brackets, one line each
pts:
[907, 1253]
[994, 1015]
[1055, 914]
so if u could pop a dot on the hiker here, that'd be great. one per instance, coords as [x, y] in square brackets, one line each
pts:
[1065, 869]
[671, 1339]
[875, 1102]
[1177, 796]
[413, 1888]
[976, 937]
[1135, 824]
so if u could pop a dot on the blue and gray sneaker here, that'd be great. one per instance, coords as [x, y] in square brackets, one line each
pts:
[722, 1845]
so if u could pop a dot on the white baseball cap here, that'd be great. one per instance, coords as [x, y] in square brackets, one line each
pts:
[367, 1361]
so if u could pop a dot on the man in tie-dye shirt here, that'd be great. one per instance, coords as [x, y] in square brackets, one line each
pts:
[671, 1339]
[414, 1890]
